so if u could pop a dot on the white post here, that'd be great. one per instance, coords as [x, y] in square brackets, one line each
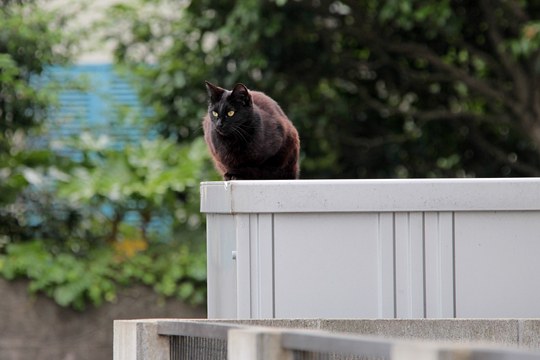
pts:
[256, 344]
[139, 340]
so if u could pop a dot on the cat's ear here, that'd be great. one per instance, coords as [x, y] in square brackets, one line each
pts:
[241, 94]
[214, 92]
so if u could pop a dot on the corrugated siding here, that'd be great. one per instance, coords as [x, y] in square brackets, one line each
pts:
[96, 99]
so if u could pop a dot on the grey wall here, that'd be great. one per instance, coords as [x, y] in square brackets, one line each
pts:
[36, 328]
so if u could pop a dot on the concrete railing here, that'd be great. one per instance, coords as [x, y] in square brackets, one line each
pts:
[184, 339]
[429, 248]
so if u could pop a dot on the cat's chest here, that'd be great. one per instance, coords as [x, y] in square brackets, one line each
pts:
[228, 151]
[250, 149]
[235, 155]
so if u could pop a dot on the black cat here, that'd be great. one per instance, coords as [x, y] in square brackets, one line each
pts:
[249, 135]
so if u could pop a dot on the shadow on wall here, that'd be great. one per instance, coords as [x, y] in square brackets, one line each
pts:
[36, 328]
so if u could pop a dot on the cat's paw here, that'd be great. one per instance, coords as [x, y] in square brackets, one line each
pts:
[229, 176]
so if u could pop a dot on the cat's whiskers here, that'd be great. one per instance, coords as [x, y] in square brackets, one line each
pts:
[241, 133]
[250, 125]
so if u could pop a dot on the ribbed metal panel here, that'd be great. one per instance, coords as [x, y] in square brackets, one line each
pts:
[95, 99]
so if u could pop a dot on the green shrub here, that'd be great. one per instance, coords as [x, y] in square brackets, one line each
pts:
[172, 270]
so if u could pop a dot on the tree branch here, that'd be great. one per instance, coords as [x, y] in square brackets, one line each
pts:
[514, 7]
[494, 64]
[442, 114]
[414, 50]
[534, 95]
[511, 66]
[369, 143]
[446, 115]
[501, 156]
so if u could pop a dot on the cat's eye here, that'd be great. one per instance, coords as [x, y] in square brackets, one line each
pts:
[215, 114]
[230, 113]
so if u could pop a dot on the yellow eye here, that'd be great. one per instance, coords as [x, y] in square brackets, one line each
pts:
[230, 113]
[215, 113]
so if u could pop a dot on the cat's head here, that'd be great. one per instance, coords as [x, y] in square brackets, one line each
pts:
[229, 110]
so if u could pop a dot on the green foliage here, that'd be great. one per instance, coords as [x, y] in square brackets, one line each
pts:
[80, 230]
[527, 43]
[148, 170]
[154, 178]
[87, 246]
[76, 282]
[87, 241]
[377, 88]
[30, 40]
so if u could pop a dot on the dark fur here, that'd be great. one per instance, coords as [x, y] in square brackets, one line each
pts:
[258, 142]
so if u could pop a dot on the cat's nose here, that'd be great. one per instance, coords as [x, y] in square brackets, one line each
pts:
[219, 123]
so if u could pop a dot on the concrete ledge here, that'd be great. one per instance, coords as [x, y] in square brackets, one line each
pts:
[435, 339]
[139, 339]
[522, 333]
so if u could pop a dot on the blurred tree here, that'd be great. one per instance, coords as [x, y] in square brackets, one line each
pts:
[393, 88]
[80, 227]
[121, 216]
[30, 40]
[155, 182]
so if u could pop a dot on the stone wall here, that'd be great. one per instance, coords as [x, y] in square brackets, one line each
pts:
[34, 327]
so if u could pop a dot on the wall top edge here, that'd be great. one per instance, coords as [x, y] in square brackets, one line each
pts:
[371, 195]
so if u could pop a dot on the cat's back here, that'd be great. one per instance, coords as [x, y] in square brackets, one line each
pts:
[267, 104]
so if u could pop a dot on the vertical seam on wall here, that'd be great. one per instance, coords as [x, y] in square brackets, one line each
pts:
[440, 257]
[454, 262]
[273, 269]
[259, 266]
[250, 267]
[380, 292]
[411, 266]
[424, 262]
[384, 265]
[394, 261]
